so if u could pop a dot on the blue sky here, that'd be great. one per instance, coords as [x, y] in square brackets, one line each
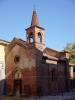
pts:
[56, 16]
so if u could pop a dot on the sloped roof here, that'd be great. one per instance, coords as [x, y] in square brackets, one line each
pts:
[50, 52]
[3, 42]
[34, 21]
[54, 53]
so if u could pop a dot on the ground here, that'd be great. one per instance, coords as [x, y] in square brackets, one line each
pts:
[37, 98]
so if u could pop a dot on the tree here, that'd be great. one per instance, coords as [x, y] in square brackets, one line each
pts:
[71, 48]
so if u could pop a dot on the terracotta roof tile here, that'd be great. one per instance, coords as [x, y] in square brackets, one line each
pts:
[54, 53]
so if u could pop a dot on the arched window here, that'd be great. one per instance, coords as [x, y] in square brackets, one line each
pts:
[31, 40]
[39, 38]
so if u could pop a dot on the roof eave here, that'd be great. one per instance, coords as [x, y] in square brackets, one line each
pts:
[34, 26]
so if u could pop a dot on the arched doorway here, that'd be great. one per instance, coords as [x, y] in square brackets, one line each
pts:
[18, 83]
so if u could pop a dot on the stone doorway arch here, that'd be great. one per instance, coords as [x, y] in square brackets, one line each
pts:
[18, 83]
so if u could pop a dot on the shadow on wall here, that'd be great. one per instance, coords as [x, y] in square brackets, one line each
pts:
[2, 87]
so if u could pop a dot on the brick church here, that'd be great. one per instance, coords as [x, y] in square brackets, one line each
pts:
[32, 69]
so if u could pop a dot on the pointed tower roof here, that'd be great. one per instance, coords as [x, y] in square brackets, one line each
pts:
[34, 21]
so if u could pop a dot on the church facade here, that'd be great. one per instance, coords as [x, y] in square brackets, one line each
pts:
[32, 69]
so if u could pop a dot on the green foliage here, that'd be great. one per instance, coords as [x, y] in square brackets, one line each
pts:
[71, 48]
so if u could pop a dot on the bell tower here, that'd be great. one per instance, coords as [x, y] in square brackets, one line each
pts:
[35, 33]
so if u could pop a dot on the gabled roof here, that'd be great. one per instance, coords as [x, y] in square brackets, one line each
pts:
[15, 41]
[19, 42]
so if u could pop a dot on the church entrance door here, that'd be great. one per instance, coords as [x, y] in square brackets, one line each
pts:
[17, 87]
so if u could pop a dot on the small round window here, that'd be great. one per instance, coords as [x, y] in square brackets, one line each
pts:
[16, 59]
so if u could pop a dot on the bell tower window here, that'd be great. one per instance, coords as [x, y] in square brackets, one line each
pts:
[31, 40]
[39, 38]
